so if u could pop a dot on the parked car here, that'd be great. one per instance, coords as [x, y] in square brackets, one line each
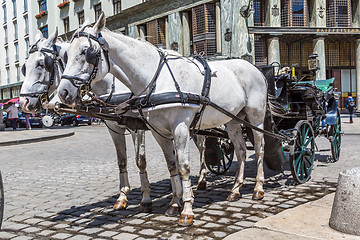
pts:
[72, 119]
[35, 121]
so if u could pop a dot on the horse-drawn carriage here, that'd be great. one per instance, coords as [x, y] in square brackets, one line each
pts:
[298, 110]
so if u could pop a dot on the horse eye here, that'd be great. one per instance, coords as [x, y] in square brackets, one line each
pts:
[41, 63]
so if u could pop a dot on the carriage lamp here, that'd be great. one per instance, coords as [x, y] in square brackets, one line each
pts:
[246, 11]
[313, 62]
[228, 35]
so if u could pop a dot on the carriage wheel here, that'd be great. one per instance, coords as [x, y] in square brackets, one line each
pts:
[1, 200]
[302, 152]
[223, 163]
[336, 138]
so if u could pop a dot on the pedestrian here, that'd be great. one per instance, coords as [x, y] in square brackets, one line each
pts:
[27, 116]
[350, 105]
[13, 115]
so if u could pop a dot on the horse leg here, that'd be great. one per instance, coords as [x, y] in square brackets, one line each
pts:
[200, 143]
[259, 151]
[235, 134]
[118, 137]
[167, 147]
[182, 140]
[139, 146]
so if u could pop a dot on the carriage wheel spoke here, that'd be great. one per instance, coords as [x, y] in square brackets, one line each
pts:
[308, 141]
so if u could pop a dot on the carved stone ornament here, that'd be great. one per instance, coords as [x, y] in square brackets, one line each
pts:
[174, 46]
[321, 11]
[247, 57]
[275, 10]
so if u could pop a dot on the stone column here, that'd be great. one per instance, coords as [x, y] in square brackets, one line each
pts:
[357, 56]
[167, 40]
[175, 32]
[218, 27]
[273, 13]
[186, 34]
[142, 32]
[319, 49]
[273, 50]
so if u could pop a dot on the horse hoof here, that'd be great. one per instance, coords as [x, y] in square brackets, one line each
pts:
[172, 211]
[233, 197]
[146, 207]
[120, 205]
[201, 185]
[186, 220]
[258, 195]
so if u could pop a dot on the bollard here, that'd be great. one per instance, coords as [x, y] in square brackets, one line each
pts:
[345, 212]
[2, 125]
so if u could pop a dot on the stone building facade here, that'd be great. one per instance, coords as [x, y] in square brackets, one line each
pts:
[260, 31]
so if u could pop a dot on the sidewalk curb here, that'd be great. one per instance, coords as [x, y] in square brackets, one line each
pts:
[38, 139]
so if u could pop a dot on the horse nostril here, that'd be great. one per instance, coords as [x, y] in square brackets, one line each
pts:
[64, 94]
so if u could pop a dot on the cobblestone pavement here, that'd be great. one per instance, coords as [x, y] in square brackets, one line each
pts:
[65, 189]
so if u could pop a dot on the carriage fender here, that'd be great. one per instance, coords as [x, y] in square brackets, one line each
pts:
[332, 112]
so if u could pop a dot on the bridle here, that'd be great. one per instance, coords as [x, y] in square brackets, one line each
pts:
[93, 57]
[50, 64]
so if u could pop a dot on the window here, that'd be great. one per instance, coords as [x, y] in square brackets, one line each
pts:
[15, 30]
[14, 8]
[155, 31]
[259, 15]
[66, 24]
[45, 31]
[6, 34]
[7, 55]
[5, 16]
[294, 13]
[338, 13]
[204, 29]
[117, 7]
[25, 5]
[26, 20]
[42, 6]
[8, 75]
[27, 43]
[16, 51]
[97, 9]
[81, 17]
[18, 72]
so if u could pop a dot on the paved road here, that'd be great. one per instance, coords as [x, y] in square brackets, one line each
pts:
[65, 189]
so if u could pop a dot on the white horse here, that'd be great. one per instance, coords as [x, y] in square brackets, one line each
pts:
[238, 87]
[43, 71]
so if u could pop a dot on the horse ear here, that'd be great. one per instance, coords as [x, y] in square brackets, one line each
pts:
[39, 35]
[100, 23]
[52, 39]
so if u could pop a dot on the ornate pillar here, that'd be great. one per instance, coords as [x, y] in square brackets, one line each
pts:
[356, 9]
[234, 25]
[186, 34]
[132, 32]
[218, 27]
[357, 56]
[167, 40]
[318, 13]
[273, 50]
[319, 49]
[175, 31]
[273, 13]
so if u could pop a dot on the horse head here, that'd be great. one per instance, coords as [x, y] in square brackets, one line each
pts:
[39, 71]
[87, 62]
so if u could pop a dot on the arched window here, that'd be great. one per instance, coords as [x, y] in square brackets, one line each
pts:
[295, 13]
[338, 13]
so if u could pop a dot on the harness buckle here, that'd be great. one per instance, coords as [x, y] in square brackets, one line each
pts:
[83, 90]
